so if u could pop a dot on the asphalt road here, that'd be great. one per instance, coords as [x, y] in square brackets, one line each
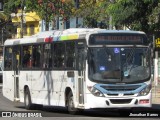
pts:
[18, 111]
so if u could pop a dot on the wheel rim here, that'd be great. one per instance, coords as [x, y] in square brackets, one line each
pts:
[26, 100]
[71, 104]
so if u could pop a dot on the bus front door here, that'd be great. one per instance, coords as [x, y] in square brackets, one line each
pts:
[81, 74]
[16, 64]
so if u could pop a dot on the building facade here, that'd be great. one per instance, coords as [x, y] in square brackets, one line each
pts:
[32, 24]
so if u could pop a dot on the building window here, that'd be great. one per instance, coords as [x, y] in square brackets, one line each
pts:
[25, 29]
[31, 29]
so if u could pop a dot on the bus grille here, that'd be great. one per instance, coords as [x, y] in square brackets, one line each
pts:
[112, 94]
[121, 88]
[120, 101]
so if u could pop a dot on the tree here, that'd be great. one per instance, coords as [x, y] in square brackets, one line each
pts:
[93, 13]
[3, 17]
[5, 29]
[135, 14]
[141, 15]
[46, 9]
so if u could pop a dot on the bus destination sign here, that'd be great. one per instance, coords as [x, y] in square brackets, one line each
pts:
[138, 39]
[119, 38]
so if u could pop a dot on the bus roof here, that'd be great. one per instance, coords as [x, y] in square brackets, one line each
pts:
[68, 34]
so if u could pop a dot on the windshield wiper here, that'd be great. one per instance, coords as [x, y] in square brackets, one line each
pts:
[129, 58]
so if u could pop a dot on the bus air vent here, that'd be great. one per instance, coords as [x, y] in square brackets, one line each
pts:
[112, 94]
[121, 88]
[120, 101]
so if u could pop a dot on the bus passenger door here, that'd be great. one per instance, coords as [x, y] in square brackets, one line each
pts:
[81, 74]
[16, 64]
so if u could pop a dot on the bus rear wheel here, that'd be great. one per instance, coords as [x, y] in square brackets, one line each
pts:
[27, 100]
[70, 105]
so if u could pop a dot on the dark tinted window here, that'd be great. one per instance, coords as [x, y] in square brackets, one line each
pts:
[70, 54]
[59, 55]
[36, 58]
[47, 57]
[26, 57]
[8, 58]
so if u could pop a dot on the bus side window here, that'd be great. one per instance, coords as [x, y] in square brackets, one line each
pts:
[8, 58]
[70, 55]
[59, 55]
[26, 60]
[47, 57]
[36, 59]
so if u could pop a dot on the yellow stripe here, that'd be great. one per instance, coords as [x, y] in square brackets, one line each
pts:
[69, 37]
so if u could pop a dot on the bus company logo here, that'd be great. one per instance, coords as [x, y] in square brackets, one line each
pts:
[6, 114]
[21, 114]
[121, 95]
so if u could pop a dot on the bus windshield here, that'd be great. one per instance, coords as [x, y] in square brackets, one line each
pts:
[119, 64]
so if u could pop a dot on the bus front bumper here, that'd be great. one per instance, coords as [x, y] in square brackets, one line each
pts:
[117, 102]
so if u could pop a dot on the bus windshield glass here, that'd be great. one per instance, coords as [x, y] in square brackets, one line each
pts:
[119, 64]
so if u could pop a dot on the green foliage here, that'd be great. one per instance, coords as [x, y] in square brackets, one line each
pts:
[46, 9]
[93, 12]
[135, 14]
[141, 15]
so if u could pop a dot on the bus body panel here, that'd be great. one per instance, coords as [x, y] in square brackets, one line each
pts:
[48, 86]
[8, 84]
[101, 102]
[24, 81]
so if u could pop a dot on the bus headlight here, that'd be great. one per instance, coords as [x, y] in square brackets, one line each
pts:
[145, 91]
[95, 91]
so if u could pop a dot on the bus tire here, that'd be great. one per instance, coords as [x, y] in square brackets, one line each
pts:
[70, 104]
[27, 99]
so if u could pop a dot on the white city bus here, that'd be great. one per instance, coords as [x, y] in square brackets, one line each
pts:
[79, 69]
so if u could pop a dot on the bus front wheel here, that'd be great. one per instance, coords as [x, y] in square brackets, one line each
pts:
[71, 107]
[27, 99]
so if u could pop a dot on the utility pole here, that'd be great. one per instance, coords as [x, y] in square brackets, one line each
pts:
[110, 18]
[110, 22]
[2, 36]
[77, 6]
[22, 8]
